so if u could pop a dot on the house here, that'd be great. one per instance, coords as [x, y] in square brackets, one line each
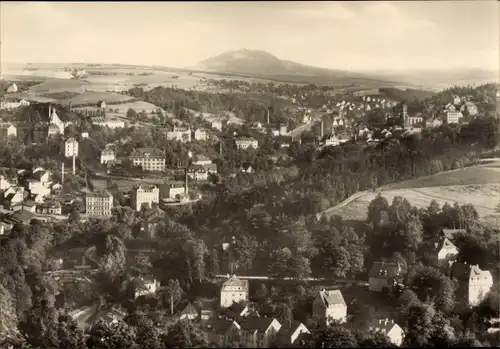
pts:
[152, 218]
[440, 250]
[206, 308]
[217, 124]
[471, 108]
[71, 147]
[221, 332]
[433, 123]
[332, 141]
[55, 122]
[7, 130]
[210, 168]
[384, 275]
[145, 285]
[12, 88]
[202, 160]
[474, 283]
[259, 332]
[112, 123]
[181, 134]
[246, 168]
[144, 195]
[49, 207]
[246, 142]
[186, 311]
[11, 199]
[237, 311]
[172, 190]
[453, 116]
[29, 205]
[200, 134]
[101, 105]
[330, 305]
[233, 290]
[149, 159]
[289, 333]
[388, 328]
[20, 217]
[108, 154]
[4, 183]
[99, 204]
[85, 135]
[197, 173]
[5, 228]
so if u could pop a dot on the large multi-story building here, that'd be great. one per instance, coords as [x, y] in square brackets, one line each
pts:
[142, 195]
[99, 204]
[180, 134]
[246, 142]
[150, 159]
[172, 190]
[200, 134]
[233, 290]
[453, 116]
[71, 147]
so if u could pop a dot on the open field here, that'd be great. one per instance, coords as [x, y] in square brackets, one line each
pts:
[478, 185]
[92, 97]
[138, 106]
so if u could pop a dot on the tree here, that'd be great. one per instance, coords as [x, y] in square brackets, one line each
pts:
[376, 210]
[280, 262]
[185, 334]
[331, 337]
[172, 293]
[111, 336]
[132, 115]
[213, 265]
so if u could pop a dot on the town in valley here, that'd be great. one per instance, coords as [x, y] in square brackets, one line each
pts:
[245, 200]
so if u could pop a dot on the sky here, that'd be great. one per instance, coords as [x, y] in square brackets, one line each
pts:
[362, 36]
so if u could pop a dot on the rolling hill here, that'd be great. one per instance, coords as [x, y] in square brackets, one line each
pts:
[258, 63]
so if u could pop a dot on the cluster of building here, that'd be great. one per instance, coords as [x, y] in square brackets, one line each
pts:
[23, 199]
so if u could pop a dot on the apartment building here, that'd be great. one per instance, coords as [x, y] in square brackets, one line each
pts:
[108, 154]
[233, 290]
[71, 147]
[142, 195]
[149, 159]
[181, 134]
[330, 305]
[246, 142]
[99, 204]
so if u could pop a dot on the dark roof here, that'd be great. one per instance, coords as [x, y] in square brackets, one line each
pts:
[236, 281]
[288, 331]
[385, 269]
[29, 203]
[217, 325]
[330, 297]
[146, 152]
[259, 324]
[210, 167]
[237, 308]
[20, 216]
[437, 243]
[382, 325]
[463, 271]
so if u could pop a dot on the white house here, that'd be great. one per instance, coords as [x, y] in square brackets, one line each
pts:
[12, 88]
[7, 130]
[4, 183]
[71, 147]
[474, 283]
[180, 134]
[144, 195]
[202, 160]
[200, 134]
[441, 250]
[246, 142]
[108, 155]
[330, 305]
[146, 286]
[389, 328]
[233, 290]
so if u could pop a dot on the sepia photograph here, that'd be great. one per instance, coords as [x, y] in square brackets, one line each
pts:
[249, 174]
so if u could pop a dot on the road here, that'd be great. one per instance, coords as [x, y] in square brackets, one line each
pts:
[341, 281]
[342, 204]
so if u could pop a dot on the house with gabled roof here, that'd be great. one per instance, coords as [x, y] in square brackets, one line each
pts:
[221, 332]
[289, 333]
[329, 305]
[474, 283]
[388, 328]
[440, 250]
[384, 275]
[259, 332]
[186, 311]
[233, 290]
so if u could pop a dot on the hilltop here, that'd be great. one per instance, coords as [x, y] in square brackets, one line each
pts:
[258, 63]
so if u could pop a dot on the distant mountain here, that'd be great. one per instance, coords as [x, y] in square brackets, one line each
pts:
[258, 63]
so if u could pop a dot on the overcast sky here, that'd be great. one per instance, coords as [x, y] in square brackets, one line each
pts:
[341, 35]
